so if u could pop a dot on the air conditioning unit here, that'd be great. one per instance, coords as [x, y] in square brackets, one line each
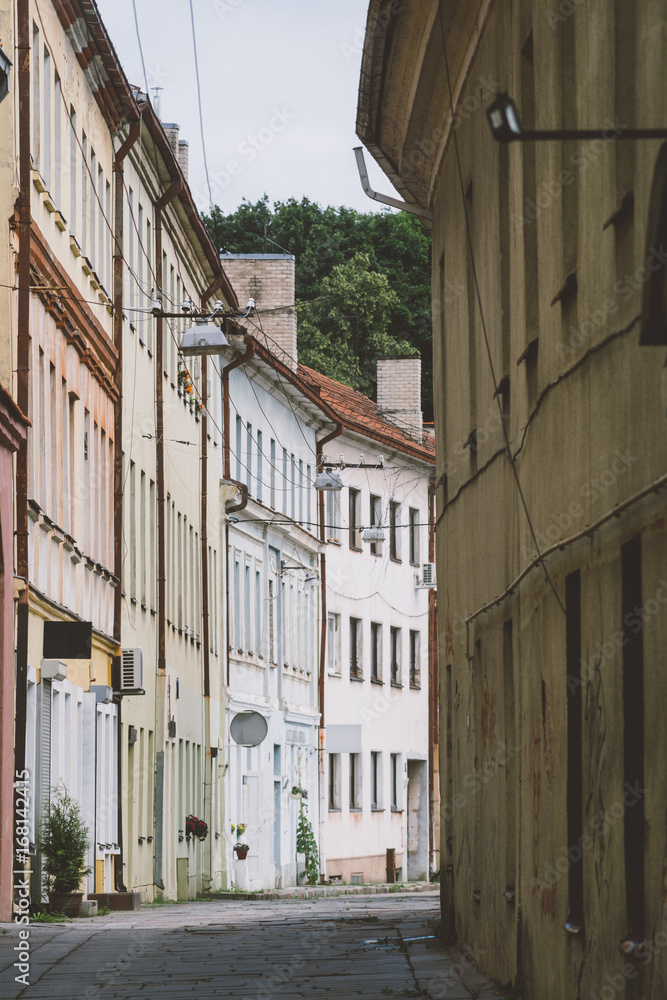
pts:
[426, 579]
[171, 728]
[131, 671]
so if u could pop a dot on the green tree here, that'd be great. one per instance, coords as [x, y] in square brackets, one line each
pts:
[307, 845]
[322, 239]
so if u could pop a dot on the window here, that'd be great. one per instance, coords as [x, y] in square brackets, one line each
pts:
[249, 458]
[355, 781]
[333, 643]
[300, 491]
[394, 777]
[376, 780]
[334, 782]
[285, 481]
[355, 648]
[259, 466]
[376, 519]
[258, 612]
[395, 655]
[239, 433]
[413, 536]
[394, 532]
[73, 197]
[376, 652]
[272, 474]
[354, 519]
[246, 610]
[415, 671]
[332, 516]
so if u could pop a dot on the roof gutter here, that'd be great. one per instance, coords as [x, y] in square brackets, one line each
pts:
[384, 199]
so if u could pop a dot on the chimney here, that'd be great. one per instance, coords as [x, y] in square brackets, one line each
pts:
[399, 393]
[184, 156]
[268, 278]
[171, 131]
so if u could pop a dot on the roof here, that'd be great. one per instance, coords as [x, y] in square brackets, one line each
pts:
[360, 414]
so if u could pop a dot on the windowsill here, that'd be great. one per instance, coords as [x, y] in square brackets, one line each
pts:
[395, 809]
[376, 680]
[378, 555]
[356, 809]
[377, 809]
[355, 677]
[335, 809]
[395, 559]
[332, 674]
[415, 687]
[417, 565]
[353, 548]
[396, 684]
[334, 541]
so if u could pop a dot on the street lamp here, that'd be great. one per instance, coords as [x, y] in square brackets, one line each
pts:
[328, 481]
[203, 338]
[506, 127]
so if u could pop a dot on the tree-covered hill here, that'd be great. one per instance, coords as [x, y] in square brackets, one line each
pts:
[362, 282]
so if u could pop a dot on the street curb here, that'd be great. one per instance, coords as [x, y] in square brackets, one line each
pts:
[322, 891]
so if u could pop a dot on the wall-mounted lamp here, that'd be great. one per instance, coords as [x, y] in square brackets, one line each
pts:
[506, 127]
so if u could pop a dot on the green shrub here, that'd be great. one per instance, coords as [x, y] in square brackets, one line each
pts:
[63, 842]
[306, 844]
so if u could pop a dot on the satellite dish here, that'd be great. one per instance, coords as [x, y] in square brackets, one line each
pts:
[249, 729]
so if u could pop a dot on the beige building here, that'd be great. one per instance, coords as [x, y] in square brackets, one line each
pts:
[548, 308]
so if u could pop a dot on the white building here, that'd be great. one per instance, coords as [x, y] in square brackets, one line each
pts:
[379, 618]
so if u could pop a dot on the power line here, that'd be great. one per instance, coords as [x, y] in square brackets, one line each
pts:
[201, 117]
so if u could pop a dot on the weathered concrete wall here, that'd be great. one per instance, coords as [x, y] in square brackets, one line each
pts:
[584, 415]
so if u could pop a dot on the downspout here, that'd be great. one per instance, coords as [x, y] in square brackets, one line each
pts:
[321, 775]
[248, 354]
[203, 536]
[23, 386]
[433, 685]
[161, 680]
[386, 199]
[133, 135]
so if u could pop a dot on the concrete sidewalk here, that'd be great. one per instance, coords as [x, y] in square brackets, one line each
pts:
[378, 946]
[323, 891]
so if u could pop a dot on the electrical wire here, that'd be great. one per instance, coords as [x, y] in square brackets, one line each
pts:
[201, 117]
[483, 322]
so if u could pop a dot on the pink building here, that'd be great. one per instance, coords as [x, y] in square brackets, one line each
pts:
[12, 434]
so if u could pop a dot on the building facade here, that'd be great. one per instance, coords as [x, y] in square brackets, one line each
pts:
[549, 392]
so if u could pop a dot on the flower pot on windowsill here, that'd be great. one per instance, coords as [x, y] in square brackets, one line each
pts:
[241, 850]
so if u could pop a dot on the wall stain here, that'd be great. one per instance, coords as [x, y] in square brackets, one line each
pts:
[595, 716]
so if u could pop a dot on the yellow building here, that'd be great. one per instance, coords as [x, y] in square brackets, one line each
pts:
[548, 310]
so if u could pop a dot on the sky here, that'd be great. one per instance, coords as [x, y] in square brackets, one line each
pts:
[279, 81]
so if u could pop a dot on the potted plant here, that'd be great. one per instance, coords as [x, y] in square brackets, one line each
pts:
[195, 828]
[63, 843]
[240, 847]
[298, 792]
[307, 845]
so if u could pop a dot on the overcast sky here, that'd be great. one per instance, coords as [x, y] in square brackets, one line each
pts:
[279, 83]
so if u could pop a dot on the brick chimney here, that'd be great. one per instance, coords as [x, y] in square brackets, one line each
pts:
[184, 156]
[268, 278]
[399, 393]
[171, 130]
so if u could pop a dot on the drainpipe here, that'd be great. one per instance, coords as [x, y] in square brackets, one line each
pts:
[205, 637]
[336, 432]
[23, 384]
[161, 680]
[248, 354]
[433, 686]
[133, 135]
[385, 199]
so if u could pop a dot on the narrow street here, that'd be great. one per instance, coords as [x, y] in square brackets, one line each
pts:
[351, 946]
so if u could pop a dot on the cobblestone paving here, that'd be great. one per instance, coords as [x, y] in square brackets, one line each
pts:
[356, 946]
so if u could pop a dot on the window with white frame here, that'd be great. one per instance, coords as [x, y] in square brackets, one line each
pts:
[395, 653]
[354, 518]
[395, 530]
[333, 643]
[355, 781]
[334, 782]
[415, 669]
[376, 780]
[376, 520]
[395, 781]
[332, 516]
[376, 651]
[356, 666]
[413, 536]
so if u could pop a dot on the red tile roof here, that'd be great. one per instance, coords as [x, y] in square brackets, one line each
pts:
[359, 413]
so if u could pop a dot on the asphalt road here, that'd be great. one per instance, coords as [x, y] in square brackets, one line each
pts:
[355, 946]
